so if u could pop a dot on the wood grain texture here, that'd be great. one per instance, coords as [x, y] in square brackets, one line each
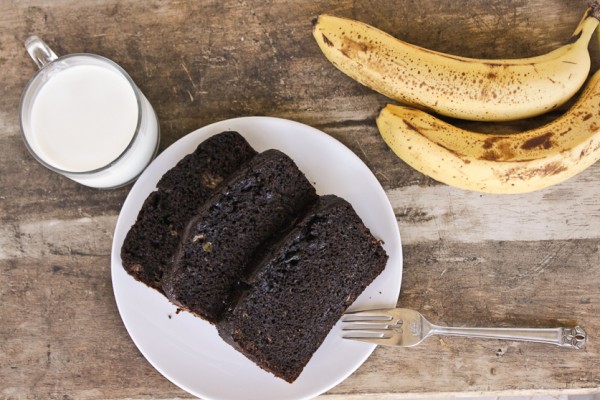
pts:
[469, 259]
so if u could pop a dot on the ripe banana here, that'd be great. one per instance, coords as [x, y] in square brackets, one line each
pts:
[466, 88]
[497, 163]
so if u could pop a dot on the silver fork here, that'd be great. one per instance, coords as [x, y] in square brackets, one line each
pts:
[404, 328]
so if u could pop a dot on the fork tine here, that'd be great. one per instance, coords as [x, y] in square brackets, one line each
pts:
[373, 340]
[368, 332]
[378, 312]
[373, 316]
[365, 326]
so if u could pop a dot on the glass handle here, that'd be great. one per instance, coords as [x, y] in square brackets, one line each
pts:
[39, 51]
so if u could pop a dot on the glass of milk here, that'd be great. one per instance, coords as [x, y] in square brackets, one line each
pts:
[83, 117]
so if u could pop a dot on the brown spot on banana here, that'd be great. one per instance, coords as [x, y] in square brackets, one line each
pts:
[490, 155]
[454, 153]
[585, 150]
[411, 126]
[542, 141]
[553, 168]
[458, 155]
[489, 143]
[350, 47]
[504, 152]
[526, 173]
[496, 65]
[499, 148]
[327, 41]
[566, 131]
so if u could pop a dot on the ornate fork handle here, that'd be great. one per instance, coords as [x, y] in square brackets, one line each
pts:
[564, 337]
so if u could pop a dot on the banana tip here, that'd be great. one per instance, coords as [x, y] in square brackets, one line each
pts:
[380, 109]
[316, 19]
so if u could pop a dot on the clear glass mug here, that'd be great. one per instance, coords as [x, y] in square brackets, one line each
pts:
[83, 117]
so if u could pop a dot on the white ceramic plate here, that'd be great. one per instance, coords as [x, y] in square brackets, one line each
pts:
[187, 350]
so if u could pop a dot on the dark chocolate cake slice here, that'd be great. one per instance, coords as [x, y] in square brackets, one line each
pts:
[255, 203]
[301, 288]
[152, 241]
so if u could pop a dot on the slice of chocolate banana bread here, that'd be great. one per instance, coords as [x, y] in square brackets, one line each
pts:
[302, 286]
[255, 203]
[151, 242]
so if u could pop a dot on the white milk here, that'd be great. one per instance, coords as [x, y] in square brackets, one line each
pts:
[84, 118]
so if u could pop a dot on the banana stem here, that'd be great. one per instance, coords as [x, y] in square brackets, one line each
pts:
[587, 25]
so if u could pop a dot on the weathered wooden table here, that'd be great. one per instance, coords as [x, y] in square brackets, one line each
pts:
[469, 258]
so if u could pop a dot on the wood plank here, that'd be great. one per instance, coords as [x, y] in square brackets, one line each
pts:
[444, 213]
[64, 336]
[430, 213]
